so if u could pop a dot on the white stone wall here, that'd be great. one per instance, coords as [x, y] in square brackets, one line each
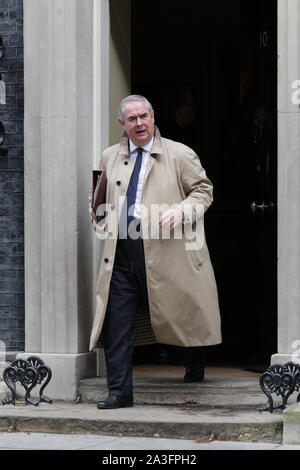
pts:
[59, 243]
[288, 183]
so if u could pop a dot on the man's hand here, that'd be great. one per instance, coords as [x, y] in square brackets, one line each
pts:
[171, 218]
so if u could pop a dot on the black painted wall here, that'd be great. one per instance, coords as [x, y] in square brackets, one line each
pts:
[11, 178]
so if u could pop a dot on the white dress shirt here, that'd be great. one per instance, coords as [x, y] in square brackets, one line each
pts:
[146, 154]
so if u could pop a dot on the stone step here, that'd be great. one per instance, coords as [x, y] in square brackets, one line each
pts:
[212, 392]
[188, 422]
[222, 408]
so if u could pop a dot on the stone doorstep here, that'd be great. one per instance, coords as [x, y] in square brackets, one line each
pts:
[217, 408]
[213, 391]
[144, 421]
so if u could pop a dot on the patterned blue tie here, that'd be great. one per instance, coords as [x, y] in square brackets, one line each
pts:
[132, 187]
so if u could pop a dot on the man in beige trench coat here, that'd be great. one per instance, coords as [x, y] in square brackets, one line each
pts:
[158, 251]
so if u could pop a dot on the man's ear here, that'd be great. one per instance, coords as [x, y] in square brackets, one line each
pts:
[121, 121]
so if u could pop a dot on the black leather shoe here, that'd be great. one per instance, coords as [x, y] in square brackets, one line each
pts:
[115, 401]
[194, 374]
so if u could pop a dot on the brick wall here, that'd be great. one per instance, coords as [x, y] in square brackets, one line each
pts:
[11, 178]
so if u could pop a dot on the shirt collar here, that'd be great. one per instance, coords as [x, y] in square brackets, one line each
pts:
[147, 147]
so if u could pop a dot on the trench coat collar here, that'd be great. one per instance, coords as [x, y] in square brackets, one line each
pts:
[156, 147]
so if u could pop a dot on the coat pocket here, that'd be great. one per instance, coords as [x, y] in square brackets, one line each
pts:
[197, 256]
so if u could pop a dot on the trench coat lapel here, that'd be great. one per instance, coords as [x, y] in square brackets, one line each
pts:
[156, 151]
[124, 155]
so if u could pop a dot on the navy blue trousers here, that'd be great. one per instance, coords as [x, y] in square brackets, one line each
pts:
[127, 289]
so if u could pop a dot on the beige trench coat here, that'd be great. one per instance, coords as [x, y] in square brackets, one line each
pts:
[183, 299]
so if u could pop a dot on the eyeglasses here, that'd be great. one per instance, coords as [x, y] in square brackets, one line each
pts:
[142, 117]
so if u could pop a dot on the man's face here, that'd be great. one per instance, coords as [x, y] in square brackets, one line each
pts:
[138, 122]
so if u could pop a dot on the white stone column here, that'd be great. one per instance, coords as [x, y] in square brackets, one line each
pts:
[59, 142]
[288, 183]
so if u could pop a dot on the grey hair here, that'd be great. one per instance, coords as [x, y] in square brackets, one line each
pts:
[130, 99]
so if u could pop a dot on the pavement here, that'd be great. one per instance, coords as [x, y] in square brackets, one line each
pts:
[88, 442]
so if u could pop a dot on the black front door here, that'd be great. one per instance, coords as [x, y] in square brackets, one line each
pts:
[225, 53]
[259, 154]
[242, 224]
